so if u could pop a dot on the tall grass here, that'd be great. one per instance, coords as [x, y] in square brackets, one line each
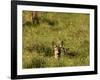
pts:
[72, 28]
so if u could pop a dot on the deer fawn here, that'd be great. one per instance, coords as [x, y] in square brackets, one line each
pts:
[57, 49]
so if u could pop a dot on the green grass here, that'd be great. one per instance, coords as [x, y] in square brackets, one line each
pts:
[72, 28]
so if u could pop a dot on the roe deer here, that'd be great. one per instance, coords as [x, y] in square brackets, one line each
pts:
[35, 17]
[57, 49]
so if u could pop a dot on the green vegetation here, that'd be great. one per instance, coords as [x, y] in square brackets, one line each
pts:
[71, 28]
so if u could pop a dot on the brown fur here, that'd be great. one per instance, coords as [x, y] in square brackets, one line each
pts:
[57, 50]
[35, 17]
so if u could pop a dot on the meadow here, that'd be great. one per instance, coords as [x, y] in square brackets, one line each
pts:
[71, 28]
